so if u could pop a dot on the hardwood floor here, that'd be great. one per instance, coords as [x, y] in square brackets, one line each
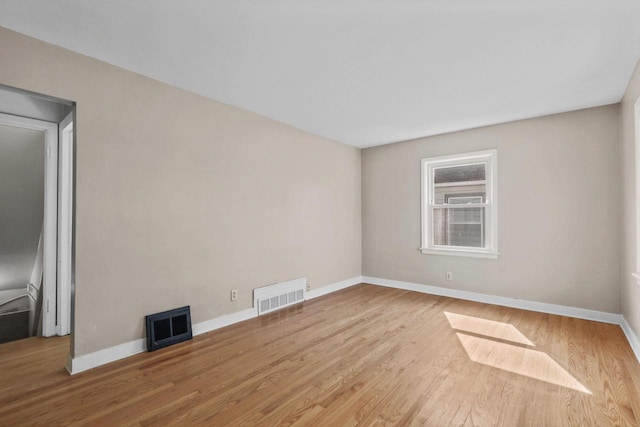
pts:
[367, 355]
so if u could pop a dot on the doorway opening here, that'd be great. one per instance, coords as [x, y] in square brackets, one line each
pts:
[36, 215]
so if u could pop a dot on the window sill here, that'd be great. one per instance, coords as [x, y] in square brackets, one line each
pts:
[454, 252]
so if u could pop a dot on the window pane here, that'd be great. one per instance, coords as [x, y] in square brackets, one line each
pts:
[457, 182]
[474, 172]
[459, 227]
[465, 216]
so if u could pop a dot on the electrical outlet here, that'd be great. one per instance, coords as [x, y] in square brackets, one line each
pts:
[234, 294]
[449, 275]
[308, 286]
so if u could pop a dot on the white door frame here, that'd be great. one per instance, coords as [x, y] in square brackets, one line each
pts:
[50, 224]
[65, 208]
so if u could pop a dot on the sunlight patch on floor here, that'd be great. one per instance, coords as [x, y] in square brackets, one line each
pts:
[489, 328]
[519, 360]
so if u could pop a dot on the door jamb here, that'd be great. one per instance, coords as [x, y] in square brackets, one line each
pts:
[65, 224]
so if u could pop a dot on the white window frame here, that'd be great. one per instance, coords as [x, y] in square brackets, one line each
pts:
[490, 204]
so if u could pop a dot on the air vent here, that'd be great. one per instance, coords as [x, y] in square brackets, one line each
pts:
[169, 327]
[279, 295]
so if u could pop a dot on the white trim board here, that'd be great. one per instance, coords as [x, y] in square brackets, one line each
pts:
[111, 354]
[224, 320]
[324, 290]
[562, 310]
[65, 225]
[83, 363]
[634, 342]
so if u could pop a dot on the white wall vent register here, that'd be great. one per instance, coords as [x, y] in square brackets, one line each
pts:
[273, 297]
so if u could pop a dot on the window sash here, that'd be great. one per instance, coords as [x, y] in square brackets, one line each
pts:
[450, 198]
[456, 206]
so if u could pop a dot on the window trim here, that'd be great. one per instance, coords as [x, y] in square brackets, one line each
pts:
[490, 157]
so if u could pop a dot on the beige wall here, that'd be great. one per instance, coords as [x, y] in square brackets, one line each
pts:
[181, 199]
[559, 211]
[630, 287]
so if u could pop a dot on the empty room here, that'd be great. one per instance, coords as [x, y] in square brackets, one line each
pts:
[305, 213]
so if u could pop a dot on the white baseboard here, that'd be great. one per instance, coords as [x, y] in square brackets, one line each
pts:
[222, 321]
[634, 342]
[315, 293]
[102, 357]
[542, 307]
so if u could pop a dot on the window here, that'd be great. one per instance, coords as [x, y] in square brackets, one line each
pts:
[459, 209]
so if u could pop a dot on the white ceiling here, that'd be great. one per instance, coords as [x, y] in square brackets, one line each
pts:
[361, 72]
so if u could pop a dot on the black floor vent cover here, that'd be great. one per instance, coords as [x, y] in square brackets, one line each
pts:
[169, 327]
